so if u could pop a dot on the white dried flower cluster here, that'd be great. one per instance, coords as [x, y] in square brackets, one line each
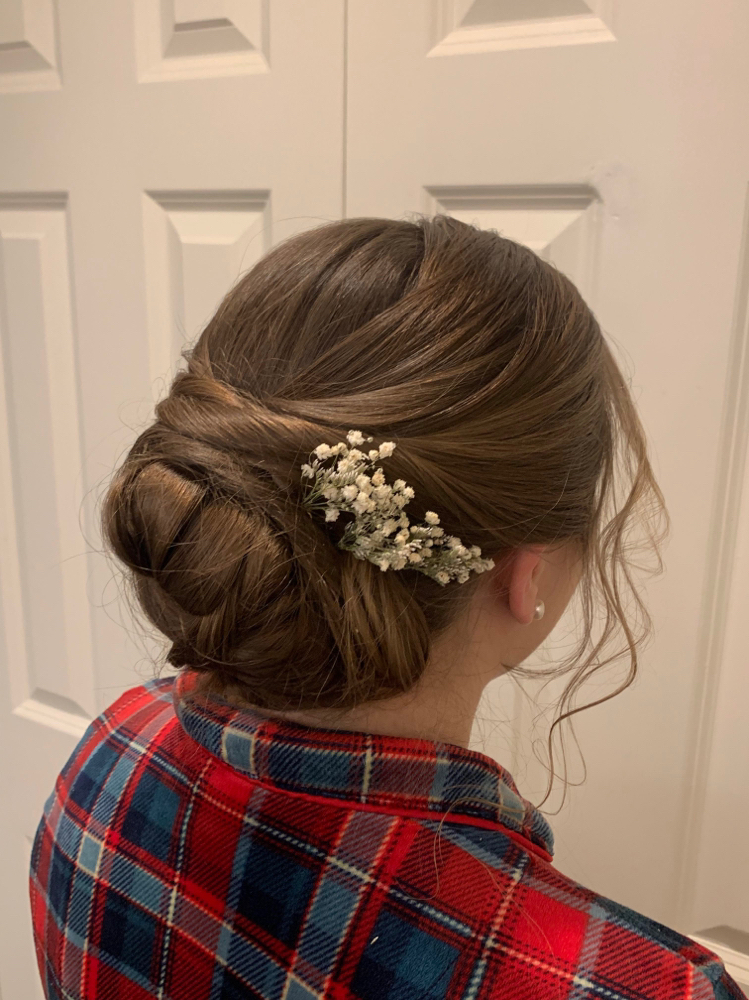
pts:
[381, 531]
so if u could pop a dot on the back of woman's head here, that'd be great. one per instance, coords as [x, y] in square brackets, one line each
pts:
[478, 359]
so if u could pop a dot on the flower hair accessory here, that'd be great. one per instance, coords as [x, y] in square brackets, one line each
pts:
[378, 514]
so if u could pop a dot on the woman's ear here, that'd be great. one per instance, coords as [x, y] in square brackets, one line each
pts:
[523, 583]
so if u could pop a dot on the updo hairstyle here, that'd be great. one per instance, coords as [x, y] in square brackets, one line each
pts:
[487, 369]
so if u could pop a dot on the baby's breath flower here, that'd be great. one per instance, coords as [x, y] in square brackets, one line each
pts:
[378, 513]
[362, 504]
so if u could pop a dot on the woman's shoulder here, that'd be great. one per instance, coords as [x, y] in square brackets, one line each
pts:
[549, 929]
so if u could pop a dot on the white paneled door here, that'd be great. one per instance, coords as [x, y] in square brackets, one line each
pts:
[610, 136]
[150, 151]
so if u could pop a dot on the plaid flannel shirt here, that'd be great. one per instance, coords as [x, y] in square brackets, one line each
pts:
[197, 851]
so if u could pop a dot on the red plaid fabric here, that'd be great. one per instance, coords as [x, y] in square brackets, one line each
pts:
[196, 851]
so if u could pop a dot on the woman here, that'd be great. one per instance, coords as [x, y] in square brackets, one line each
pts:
[388, 467]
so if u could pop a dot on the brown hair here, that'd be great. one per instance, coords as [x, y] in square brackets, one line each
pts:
[487, 369]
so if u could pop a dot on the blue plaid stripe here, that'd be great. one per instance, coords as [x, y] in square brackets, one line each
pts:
[345, 876]
[404, 961]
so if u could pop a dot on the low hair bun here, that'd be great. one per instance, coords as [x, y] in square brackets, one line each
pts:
[226, 563]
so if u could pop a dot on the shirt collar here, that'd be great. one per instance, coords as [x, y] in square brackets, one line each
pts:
[388, 773]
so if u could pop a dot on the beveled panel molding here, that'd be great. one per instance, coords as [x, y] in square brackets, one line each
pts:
[188, 39]
[559, 222]
[469, 26]
[197, 244]
[44, 610]
[718, 744]
[29, 59]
